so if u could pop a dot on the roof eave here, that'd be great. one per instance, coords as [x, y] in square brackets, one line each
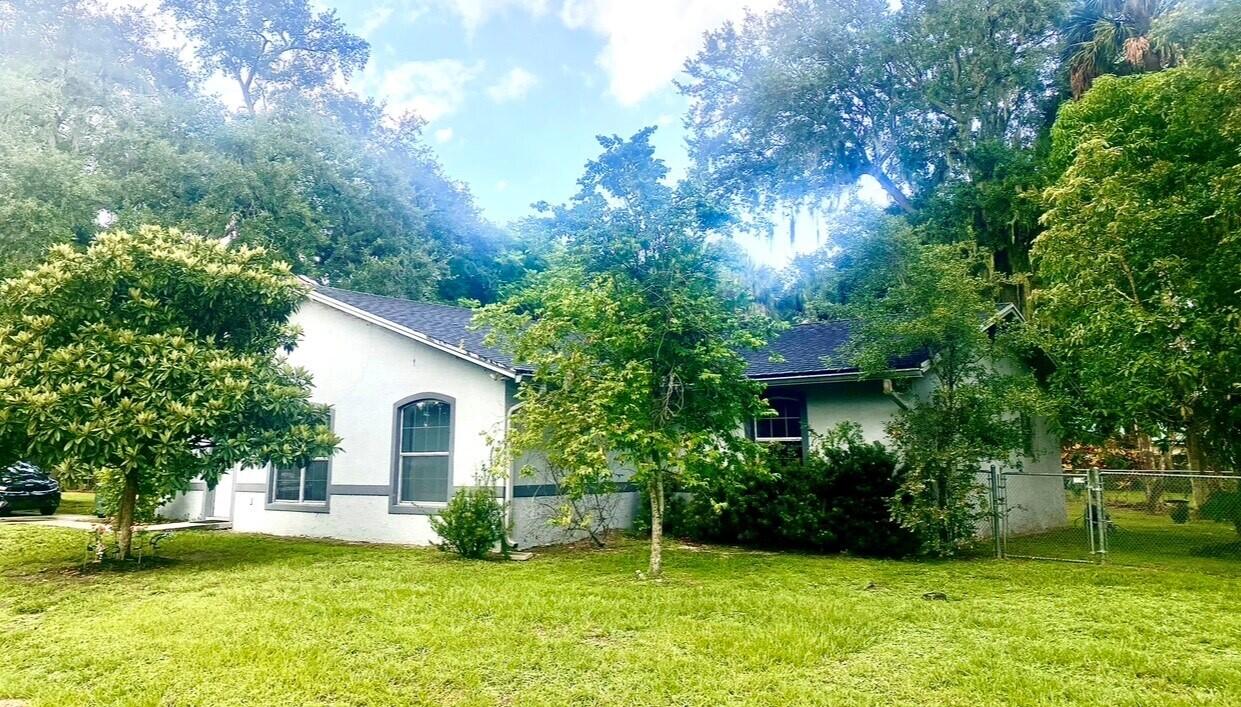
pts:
[836, 376]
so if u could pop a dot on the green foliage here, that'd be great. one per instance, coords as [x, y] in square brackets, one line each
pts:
[270, 47]
[472, 523]
[1116, 37]
[1222, 507]
[837, 500]
[677, 522]
[972, 406]
[97, 133]
[802, 102]
[634, 351]
[151, 359]
[1139, 303]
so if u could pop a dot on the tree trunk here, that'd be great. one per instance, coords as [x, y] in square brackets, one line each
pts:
[657, 526]
[892, 189]
[125, 517]
[1154, 484]
[1203, 488]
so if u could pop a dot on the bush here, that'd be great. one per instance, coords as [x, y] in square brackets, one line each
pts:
[676, 515]
[836, 500]
[471, 524]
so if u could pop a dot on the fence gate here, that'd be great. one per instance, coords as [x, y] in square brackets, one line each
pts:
[1128, 517]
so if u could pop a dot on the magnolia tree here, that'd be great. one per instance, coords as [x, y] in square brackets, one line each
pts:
[151, 359]
[634, 349]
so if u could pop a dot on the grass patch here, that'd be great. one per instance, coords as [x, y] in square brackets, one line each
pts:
[77, 502]
[242, 619]
[1140, 538]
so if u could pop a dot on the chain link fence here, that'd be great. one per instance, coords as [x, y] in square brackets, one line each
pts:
[1125, 517]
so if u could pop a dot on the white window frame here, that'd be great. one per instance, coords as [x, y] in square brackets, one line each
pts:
[276, 504]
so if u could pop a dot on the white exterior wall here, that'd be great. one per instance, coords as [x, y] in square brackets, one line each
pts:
[362, 371]
[829, 404]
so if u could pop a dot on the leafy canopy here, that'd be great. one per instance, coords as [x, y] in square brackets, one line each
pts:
[151, 359]
[974, 404]
[802, 102]
[635, 352]
[1139, 261]
[271, 47]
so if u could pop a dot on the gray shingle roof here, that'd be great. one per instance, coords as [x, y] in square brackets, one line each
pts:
[802, 347]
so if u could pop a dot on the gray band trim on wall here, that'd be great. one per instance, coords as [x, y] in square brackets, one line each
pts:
[198, 485]
[359, 490]
[250, 488]
[541, 490]
[306, 507]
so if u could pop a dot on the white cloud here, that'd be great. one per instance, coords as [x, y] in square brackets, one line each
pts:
[502, 185]
[513, 85]
[648, 41]
[432, 89]
[443, 135]
[475, 13]
[375, 19]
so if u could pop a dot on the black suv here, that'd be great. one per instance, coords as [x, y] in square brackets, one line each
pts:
[23, 487]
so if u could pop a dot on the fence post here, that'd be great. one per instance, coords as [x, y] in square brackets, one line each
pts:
[1098, 514]
[996, 522]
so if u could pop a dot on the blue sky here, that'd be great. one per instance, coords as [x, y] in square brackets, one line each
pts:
[515, 91]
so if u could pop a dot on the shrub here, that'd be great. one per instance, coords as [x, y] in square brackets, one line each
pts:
[471, 524]
[677, 523]
[836, 500]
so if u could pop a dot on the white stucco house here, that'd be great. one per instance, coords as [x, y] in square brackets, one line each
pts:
[415, 394]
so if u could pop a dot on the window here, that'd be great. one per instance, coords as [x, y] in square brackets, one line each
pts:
[785, 428]
[307, 484]
[424, 474]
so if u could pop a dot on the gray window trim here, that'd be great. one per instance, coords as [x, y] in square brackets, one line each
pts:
[422, 508]
[324, 506]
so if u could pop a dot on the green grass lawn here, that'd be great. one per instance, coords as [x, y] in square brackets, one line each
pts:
[77, 502]
[1139, 537]
[242, 619]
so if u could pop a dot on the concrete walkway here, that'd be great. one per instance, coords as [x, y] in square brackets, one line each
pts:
[83, 522]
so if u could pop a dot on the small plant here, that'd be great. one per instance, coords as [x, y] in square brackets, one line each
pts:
[472, 523]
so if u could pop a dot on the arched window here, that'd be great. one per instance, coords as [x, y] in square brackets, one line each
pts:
[424, 451]
[785, 428]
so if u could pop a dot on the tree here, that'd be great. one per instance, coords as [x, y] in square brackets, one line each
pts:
[973, 406]
[1138, 304]
[635, 353]
[1115, 37]
[320, 180]
[151, 359]
[801, 103]
[269, 47]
